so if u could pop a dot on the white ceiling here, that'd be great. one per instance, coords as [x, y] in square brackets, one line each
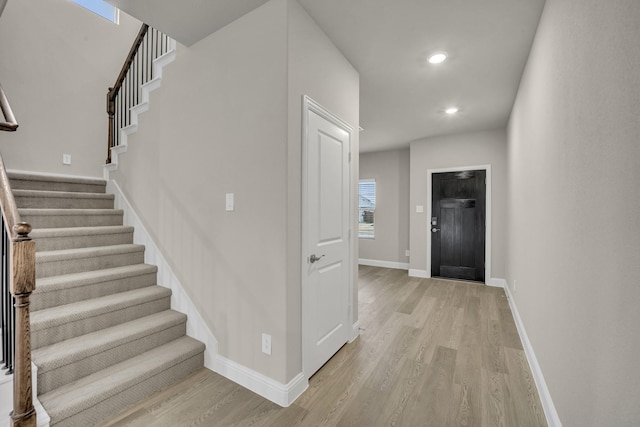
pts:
[402, 97]
[187, 20]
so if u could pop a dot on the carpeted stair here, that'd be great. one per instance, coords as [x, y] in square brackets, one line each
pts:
[102, 332]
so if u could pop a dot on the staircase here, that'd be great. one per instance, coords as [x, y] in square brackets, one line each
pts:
[102, 331]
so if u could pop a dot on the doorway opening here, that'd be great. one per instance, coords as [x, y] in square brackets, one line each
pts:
[459, 223]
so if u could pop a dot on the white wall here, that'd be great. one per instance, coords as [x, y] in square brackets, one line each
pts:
[226, 99]
[574, 241]
[318, 69]
[467, 149]
[57, 62]
[390, 169]
[227, 120]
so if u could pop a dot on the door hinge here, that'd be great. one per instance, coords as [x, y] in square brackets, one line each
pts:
[349, 156]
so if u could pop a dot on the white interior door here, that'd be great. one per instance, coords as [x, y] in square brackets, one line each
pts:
[326, 222]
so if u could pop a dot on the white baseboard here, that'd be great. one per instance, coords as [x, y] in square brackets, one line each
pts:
[42, 418]
[385, 264]
[553, 420]
[180, 301]
[6, 398]
[496, 282]
[355, 331]
[424, 274]
[281, 394]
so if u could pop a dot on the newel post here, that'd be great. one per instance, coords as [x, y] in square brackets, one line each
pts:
[23, 283]
[111, 112]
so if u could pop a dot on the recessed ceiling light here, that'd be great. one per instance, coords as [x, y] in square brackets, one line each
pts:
[437, 58]
[451, 110]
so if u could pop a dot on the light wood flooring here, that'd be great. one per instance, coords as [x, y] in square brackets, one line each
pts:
[430, 353]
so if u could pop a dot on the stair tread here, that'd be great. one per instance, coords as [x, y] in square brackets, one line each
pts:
[25, 176]
[93, 389]
[62, 194]
[79, 231]
[72, 350]
[62, 212]
[55, 316]
[113, 324]
[64, 281]
[79, 253]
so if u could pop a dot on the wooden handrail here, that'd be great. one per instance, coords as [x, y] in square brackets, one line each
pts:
[127, 63]
[112, 93]
[22, 284]
[10, 123]
[128, 90]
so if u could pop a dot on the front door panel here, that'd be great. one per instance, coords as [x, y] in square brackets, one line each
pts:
[458, 235]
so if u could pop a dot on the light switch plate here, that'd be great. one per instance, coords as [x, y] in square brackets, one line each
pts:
[229, 202]
[419, 209]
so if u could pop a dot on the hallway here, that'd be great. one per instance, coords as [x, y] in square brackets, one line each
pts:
[431, 352]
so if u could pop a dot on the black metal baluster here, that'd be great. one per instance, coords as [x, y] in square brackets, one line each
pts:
[7, 306]
[129, 96]
[121, 109]
[156, 48]
[3, 308]
[137, 70]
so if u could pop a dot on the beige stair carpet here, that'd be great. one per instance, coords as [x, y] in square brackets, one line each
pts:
[103, 333]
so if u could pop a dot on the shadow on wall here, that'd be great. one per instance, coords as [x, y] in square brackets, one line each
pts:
[200, 264]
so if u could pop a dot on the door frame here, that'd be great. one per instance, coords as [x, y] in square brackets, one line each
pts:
[309, 105]
[487, 228]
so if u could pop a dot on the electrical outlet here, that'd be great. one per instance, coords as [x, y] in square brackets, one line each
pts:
[66, 159]
[266, 344]
[407, 253]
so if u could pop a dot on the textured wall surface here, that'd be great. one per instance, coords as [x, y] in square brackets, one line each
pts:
[57, 61]
[574, 241]
[467, 149]
[227, 119]
[390, 169]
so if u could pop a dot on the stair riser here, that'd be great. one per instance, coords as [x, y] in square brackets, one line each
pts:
[41, 301]
[49, 380]
[109, 407]
[63, 203]
[77, 327]
[59, 221]
[86, 241]
[59, 267]
[129, 361]
[43, 185]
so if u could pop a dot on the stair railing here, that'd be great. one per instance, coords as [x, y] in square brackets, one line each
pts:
[137, 70]
[9, 124]
[18, 279]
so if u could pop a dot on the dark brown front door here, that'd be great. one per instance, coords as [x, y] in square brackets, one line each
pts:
[458, 225]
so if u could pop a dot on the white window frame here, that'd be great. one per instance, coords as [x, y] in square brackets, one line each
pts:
[91, 6]
[375, 203]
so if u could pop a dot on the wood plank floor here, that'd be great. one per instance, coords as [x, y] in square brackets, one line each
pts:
[430, 353]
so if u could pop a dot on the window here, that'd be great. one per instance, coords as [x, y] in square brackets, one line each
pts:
[101, 8]
[366, 208]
